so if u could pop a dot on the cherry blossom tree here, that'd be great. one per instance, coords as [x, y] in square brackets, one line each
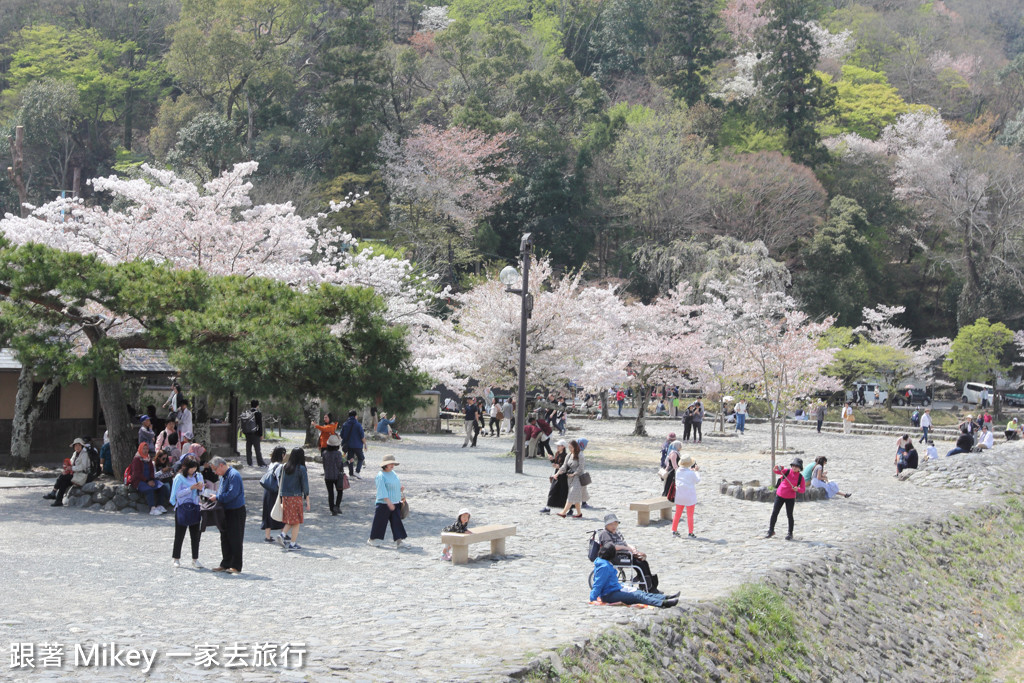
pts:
[169, 221]
[442, 184]
[774, 345]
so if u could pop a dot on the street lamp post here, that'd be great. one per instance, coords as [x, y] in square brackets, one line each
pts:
[509, 277]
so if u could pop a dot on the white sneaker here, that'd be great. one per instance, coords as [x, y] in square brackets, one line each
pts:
[154, 511]
[161, 508]
[176, 563]
[374, 542]
[197, 565]
[399, 543]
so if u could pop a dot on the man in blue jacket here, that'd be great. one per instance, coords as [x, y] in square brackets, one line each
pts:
[231, 496]
[353, 440]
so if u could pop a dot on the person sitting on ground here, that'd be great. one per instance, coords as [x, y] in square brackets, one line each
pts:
[608, 590]
[820, 480]
[932, 452]
[162, 466]
[143, 477]
[624, 551]
[906, 455]
[459, 526]
[168, 440]
[964, 443]
[986, 439]
[1013, 431]
[968, 425]
[385, 427]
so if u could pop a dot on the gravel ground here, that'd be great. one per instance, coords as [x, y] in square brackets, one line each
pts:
[362, 613]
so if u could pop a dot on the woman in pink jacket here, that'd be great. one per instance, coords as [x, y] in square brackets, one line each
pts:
[792, 483]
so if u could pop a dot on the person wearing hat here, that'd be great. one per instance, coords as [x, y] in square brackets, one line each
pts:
[459, 526]
[385, 427]
[625, 553]
[792, 482]
[559, 489]
[687, 478]
[76, 472]
[390, 495]
[608, 590]
[334, 472]
[146, 433]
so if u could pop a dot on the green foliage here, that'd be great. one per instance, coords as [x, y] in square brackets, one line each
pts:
[977, 352]
[839, 264]
[743, 135]
[690, 39]
[206, 147]
[865, 360]
[865, 102]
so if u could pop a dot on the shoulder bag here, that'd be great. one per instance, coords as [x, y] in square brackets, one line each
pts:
[188, 513]
[585, 479]
[269, 479]
[277, 512]
[405, 508]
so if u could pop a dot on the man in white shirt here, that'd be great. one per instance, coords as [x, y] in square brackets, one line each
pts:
[926, 424]
[986, 440]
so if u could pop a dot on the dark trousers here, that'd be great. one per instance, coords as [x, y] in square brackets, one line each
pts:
[697, 436]
[381, 517]
[332, 486]
[545, 445]
[477, 427]
[779, 502]
[819, 426]
[354, 458]
[62, 485]
[179, 537]
[687, 426]
[650, 580]
[495, 421]
[252, 442]
[231, 537]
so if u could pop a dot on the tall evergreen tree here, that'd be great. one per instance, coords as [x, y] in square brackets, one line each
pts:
[688, 45]
[792, 95]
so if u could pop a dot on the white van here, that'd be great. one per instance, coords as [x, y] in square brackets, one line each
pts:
[854, 395]
[972, 392]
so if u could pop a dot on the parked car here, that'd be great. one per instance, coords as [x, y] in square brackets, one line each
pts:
[854, 395]
[972, 392]
[1014, 399]
[918, 397]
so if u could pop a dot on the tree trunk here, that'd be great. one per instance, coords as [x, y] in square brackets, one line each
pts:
[604, 404]
[122, 430]
[28, 406]
[16, 172]
[201, 420]
[771, 420]
[311, 411]
[641, 421]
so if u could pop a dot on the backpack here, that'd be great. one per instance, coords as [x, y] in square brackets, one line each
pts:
[128, 476]
[247, 421]
[95, 468]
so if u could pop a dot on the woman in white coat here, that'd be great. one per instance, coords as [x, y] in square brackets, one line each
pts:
[687, 478]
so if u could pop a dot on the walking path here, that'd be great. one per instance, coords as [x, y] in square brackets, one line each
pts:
[367, 614]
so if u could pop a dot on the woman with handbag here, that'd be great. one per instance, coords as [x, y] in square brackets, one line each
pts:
[75, 473]
[388, 510]
[269, 482]
[187, 515]
[559, 489]
[574, 468]
[293, 491]
[671, 465]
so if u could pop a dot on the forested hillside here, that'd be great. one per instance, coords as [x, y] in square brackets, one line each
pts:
[864, 152]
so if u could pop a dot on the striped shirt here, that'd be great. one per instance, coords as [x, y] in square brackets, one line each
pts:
[388, 487]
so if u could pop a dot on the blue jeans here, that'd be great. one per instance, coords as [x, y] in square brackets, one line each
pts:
[956, 451]
[741, 422]
[634, 598]
[924, 434]
[620, 407]
[155, 495]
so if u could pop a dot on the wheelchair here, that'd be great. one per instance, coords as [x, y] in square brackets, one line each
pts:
[628, 571]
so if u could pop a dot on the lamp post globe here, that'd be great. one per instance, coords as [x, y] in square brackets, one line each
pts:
[509, 276]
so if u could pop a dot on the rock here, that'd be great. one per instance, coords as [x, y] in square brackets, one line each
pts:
[753, 482]
[109, 506]
[120, 500]
[90, 487]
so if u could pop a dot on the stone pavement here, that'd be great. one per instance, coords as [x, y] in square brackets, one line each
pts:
[26, 482]
[366, 614]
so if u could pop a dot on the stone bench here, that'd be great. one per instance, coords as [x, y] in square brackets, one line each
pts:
[644, 508]
[495, 533]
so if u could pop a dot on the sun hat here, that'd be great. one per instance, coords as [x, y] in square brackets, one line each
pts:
[388, 460]
[610, 518]
[464, 511]
[797, 463]
[334, 440]
[383, 414]
[78, 442]
[671, 436]
[687, 462]
[561, 442]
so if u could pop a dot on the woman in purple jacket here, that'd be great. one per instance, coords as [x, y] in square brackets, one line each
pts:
[792, 483]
